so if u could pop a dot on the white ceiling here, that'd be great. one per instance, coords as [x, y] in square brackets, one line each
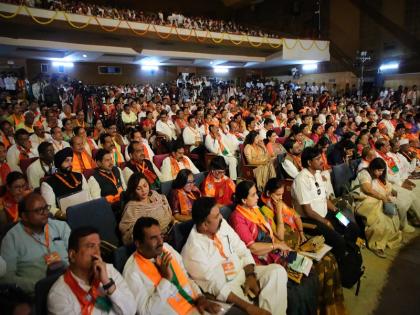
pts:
[70, 52]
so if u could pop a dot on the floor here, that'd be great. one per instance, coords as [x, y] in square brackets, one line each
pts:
[374, 281]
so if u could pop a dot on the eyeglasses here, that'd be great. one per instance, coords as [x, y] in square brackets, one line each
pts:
[190, 182]
[318, 189]
[43, 210]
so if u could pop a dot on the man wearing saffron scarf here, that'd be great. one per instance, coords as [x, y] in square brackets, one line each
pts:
[292, 164]
[35, 245]
[157, 277]
[175, 162]
[139, 164]
[89, 286]
[81, 160]
[107, 180]
[216, 143]
[20, 150]
[221, 264]
[108, 144]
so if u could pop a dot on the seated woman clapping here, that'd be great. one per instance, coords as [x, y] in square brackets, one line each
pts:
[143, 202]
[286, 223]
[381, 229]
[184, 193]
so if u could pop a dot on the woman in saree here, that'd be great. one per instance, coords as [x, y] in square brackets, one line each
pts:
[256, 154]
[143, 202]
[382, 230]
[273, 147]
[287, 225]
[266, 248]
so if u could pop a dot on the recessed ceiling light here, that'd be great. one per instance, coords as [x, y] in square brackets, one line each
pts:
[84, 55]
[211, 62]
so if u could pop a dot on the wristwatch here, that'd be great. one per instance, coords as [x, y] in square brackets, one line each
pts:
[107, 286]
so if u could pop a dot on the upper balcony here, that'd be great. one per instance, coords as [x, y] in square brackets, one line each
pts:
[29, 27]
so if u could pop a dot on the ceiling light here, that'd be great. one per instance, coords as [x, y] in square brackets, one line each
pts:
[84, 55]
[62, 64]
[149, 68]
[310, 67]
[389, 66]
[220, 69]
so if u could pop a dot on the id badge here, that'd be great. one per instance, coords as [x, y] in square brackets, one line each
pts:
[52, 258]
[229, 270]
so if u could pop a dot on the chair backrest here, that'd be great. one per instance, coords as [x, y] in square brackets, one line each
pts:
[341, 178]
[180, 233]
[42, 288]
[97, 213]
[287, 195]
[24, 164]
[158, 159]
[199, 178]
[121, 255]
[165, 188]
[226, 211]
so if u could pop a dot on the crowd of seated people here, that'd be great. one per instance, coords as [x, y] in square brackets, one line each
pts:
[157, 18]
[189, 168]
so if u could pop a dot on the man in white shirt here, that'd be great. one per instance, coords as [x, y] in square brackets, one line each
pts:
[165, 127]
[292, 163]
[215, 143]
[157, 277]
[175, 162]
[42, 167]
[191, 134]
[89, 286]
[309, 195]
[22, 149]
[39, 135]
[221, 264]
[135, 135]
[268, 125]
[233, 138]
[386, 121]
[57, 139]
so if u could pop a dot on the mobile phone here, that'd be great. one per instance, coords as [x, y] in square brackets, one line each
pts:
[342, 218]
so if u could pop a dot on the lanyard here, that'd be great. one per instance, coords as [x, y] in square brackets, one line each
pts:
[112, 179]
[219, 246]
[47, 237]
[76, 182]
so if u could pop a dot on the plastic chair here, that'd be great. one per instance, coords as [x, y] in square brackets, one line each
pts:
[121, 255]
[97, 213]
[247, 170]
[180, 233]
[341, 177]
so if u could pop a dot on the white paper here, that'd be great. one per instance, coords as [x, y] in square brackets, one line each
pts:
[319, 254]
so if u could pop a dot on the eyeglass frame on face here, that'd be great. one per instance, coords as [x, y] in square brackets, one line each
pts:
[41, 210]
[189, 182]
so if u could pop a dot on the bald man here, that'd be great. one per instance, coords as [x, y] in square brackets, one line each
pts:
[35, 246]
[82, 161]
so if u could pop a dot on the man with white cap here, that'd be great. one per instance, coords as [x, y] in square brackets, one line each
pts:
[386, 121]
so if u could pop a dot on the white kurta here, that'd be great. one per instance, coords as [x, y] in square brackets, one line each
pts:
[214, 147]
[167, 129]
[203, 262]
[191, 136]
[13, 157]
[62, 301]
[148, 298]
[167, 171]
[35, 173]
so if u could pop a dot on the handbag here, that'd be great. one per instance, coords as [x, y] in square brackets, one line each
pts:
[390, 208]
